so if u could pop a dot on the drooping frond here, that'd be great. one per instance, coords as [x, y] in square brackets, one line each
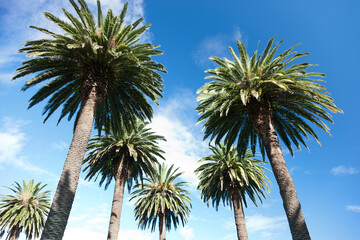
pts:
[225, 170]
[137, 147]
[26, 209]
[295, 96]
[161, 193]
[100, 52]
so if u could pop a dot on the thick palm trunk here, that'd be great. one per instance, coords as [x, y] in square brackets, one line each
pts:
[162, 227]
[65, 192]
[239, 215]
[15, 232]
[121, 176]
[263, 124]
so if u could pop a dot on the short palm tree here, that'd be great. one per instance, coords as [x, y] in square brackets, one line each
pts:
[226, 177]
[162, 198]
[123, 156]
[256, 99]
[96, 71]
[25, 211]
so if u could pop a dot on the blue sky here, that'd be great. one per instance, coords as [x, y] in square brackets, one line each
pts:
[189, 32]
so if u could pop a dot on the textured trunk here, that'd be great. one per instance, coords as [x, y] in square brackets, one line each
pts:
[162, 227]
[239, 215]
[15, 232]
[64, 196]
[262, 121]
[121, 176]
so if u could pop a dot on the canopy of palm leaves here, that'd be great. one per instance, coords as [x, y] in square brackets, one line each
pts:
[239, 88]
[26, 209]
[224, 170]
[162, 193]
[103, 53]
[138, 147]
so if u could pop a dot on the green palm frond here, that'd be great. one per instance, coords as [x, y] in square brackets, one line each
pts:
[224, 171]
[138, 147]
[240, 87]
[27, 209]
[102, 52]
[161, 193]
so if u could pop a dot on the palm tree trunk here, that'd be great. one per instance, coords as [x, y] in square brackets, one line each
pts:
[121, 176]
[162, 227]
[15, 232]
[64, 196]
[239, 214]
[262, 121]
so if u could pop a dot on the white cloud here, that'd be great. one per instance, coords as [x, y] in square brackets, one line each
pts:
[353, 208]
[231, 236]
[60, 145]
[216, 46]
[94, 225]
[12, 141]
[74, 233]
[187, 233]
[261, 223]
[184, 145]
[266, 227]
[17, 15]
[342, 171]
[134, 235]
[77, 218]
[293, 169]
[229, 224]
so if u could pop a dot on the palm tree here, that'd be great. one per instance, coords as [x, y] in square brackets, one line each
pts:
[255, 99]
[26, 210]
[226, 177]
[96, 71]
[123, 156]
[161, 199]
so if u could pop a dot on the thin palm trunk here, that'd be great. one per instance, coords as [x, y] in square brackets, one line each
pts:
[65, 192]
[15, 232]
[262, 122]
[239, 215]
[121, 176]
[162, 227]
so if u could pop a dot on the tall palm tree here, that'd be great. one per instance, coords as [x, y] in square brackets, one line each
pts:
[96, 71]
[123, 156]
[256, 99]
[161, 198]
[25, 211]
[226, 177]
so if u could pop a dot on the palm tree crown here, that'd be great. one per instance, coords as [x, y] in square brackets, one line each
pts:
[137, 148]
[161, 196]
[224, 171]
[123, 156]
[101, 53]
[25, 211]
[243, 86]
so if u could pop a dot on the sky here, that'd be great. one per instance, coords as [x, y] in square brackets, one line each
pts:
[189, 32]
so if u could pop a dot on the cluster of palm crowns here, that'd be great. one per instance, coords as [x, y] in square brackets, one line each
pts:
[99, 72]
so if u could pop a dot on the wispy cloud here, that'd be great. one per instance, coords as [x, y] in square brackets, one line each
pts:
[216, 46]
[267, 227]
[60, 145]
[353, 208]
[187, 233]
[12, 141]
[184, 145]
[342, 170]
[17, 15]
